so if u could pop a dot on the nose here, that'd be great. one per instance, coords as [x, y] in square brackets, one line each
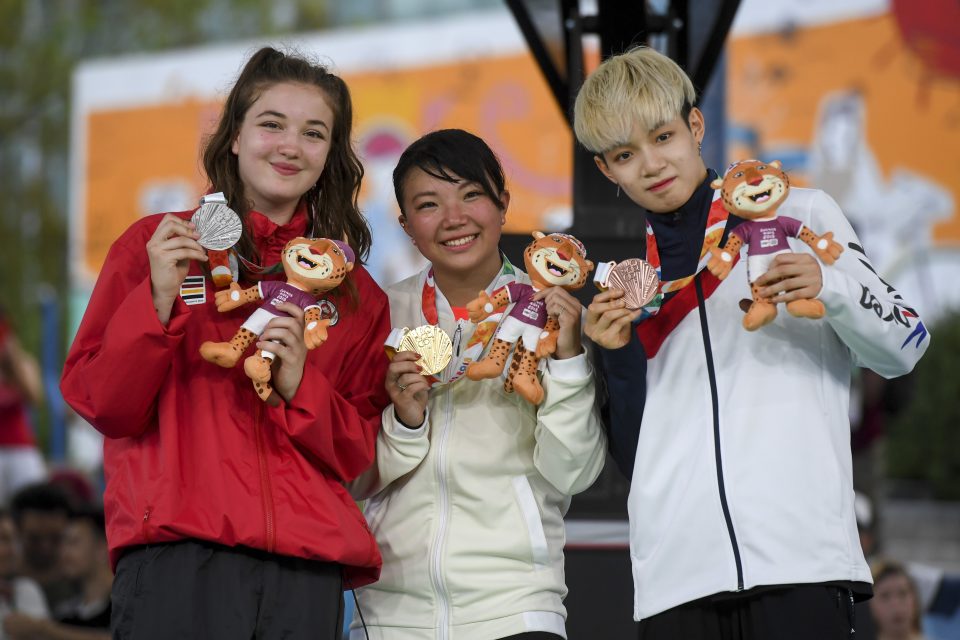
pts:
[289, 144]
[754, 181]
[563, 256]
[652, 162]
[455, 215]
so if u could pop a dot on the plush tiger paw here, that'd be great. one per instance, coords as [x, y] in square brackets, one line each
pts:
[224, 354]
[807, 308]
[257, 368]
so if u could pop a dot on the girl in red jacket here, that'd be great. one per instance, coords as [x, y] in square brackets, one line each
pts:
[227, 518]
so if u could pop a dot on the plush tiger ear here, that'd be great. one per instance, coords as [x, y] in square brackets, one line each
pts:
[716, 184]
[776, 164]
[537, 235]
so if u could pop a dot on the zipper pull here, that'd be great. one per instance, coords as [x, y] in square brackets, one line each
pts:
[456, 338]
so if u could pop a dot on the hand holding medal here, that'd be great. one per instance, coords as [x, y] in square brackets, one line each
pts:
[629, 289]
[219, 226]
[429, 342]
[415, 354]
[635, 277]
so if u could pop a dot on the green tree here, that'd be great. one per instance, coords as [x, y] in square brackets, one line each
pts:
[924, 440]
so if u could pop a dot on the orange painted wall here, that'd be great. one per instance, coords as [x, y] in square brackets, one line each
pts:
[504, 100]
[776, 81]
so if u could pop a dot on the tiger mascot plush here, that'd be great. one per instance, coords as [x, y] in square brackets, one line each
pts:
[753, 190]
[555, 260]
[312, 267]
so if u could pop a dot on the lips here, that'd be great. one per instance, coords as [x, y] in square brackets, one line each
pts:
[763, 196]
[660, 186]
[460, 242]
[285, 169]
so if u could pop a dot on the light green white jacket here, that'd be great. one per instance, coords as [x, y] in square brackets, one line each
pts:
[468, 509]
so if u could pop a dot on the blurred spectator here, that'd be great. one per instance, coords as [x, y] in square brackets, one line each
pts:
[17, 594]
[20, 387]
[895, 605]
[85, 561]
[76, 484]
[40, 512]
[937, 592]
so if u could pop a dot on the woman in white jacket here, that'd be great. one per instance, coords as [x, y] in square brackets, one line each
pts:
[470, 485]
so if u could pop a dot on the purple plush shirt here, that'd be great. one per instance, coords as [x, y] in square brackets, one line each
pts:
[764, 237]
[276, 292]
[532, 312]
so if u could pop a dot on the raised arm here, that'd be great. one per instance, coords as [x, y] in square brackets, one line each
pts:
[121, 354]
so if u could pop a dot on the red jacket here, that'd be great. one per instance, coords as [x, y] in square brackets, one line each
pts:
[192, 452]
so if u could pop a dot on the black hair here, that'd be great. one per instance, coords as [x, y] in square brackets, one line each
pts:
[452, 155]
[44, 497]
[92, 515]
[685, 113]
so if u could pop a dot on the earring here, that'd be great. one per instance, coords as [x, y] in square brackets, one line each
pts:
[699, 148]
[618, 190]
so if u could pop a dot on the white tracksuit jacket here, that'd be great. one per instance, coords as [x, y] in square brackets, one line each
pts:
[468, 509]
[742, 475]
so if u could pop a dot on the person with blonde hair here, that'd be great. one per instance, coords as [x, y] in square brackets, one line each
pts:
[737, 443]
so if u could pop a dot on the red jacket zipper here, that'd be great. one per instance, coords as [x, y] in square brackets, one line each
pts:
[146, 535]
[265, 489]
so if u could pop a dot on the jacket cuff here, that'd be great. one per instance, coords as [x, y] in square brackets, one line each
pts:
[139, 303]
[625, 356]
[395, 428]
[575, 368]
[834, 292]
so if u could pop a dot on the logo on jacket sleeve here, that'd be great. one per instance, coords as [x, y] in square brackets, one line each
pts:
[194, 290]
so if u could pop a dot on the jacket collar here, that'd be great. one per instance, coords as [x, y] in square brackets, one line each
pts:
[679, 234]
[270, 237]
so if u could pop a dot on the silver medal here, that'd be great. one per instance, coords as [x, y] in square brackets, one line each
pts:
[219, 226]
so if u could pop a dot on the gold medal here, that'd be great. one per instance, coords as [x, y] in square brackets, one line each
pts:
[635, 277]
[430, 342]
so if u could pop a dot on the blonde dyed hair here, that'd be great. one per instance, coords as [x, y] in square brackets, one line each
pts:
[641, 87]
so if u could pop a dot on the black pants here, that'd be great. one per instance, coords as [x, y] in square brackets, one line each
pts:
[803, 612]
[194, 589]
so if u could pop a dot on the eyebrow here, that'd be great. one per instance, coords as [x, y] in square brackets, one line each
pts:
[277, 114]
[659, 125]
[461, 185]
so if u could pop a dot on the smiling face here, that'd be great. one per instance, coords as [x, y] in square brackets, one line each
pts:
[752, 189]
[282, 147]
[556, 260]
[658, 169]
[315, 265]
[455, 225]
